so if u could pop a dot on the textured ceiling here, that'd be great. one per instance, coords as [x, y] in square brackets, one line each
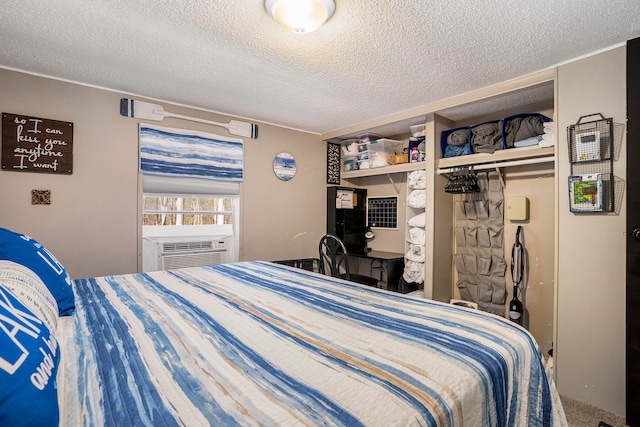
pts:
[373, 58]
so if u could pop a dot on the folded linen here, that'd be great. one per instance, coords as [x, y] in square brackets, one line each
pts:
[417, 221]
[417, 199]
[546, 143]
[527, 142]
[458, 137]
[457, 143]
[417, 179]
[417, 236]
[415, 253]
[455, 151]
[520, 128]
[486, 138]
[413, 272]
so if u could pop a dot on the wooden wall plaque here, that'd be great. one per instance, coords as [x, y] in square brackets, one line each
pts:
[33, 144]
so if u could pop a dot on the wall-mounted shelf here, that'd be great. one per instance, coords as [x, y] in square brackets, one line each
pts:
[501, 158]
[404, 167]
[531, 93]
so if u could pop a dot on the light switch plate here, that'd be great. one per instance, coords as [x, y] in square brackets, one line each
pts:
[517, 208]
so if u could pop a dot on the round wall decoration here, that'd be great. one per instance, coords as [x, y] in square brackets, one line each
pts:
[284, 166]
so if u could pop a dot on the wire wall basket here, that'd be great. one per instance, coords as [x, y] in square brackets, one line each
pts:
[593, 147]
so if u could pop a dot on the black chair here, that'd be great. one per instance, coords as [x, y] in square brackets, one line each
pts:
[334, 261]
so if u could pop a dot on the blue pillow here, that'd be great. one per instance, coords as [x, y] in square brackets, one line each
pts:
[29, 359]
[25, 285]
[24, 250]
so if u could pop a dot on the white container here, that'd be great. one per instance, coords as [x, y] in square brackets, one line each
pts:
[382, 151]
[349, 147]
[349, 163]
[417, 130]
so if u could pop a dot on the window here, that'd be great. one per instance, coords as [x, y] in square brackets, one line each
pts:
[165, 210]
[171, 215]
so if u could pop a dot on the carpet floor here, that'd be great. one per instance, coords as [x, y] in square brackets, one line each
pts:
[583, 415]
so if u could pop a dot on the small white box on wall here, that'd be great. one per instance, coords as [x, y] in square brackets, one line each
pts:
[517, 208]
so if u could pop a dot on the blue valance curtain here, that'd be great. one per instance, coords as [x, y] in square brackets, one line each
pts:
[177, 161]
[190, 154]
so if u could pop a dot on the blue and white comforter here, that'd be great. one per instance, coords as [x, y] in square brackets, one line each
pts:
[255, 343]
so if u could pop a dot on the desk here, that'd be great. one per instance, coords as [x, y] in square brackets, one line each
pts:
[310, 264]
[391, 263]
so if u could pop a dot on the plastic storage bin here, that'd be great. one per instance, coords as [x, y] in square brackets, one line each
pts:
[366, 138]
[451, 150]
[417, 130]
[382, 151]
[349, 163]
[349, 147]
[352, 153]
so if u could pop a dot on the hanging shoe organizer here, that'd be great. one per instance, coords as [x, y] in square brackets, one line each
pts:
[479, 243]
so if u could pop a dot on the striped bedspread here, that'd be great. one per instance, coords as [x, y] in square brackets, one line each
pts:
[256, 343]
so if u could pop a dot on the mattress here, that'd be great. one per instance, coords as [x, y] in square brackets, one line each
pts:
[257, 343]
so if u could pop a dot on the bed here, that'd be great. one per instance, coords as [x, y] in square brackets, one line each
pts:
[252, 343]
[256, 343]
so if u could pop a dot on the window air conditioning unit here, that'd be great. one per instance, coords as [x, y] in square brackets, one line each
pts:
[163, 253]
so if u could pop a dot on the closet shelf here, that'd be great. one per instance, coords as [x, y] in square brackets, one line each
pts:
[404, 167]
[501, 158]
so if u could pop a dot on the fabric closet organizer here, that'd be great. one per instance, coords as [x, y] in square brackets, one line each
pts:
[479, 257]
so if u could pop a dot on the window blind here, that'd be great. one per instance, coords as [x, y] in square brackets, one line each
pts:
[159, 184]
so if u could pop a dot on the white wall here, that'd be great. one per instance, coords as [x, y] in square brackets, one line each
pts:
[537, 183]
[590, 349]
[92, 223]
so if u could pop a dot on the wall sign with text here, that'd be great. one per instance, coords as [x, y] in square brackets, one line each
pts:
[32, 144]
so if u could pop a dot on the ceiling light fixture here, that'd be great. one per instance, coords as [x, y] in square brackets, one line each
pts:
[300, 16]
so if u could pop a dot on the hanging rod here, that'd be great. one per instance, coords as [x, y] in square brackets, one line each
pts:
[497, 165]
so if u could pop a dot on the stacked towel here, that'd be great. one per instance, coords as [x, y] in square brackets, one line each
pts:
[417, 179]
[549, 135]
[457, 143]
[486, 138]
[415, 253]
[527, 142]
[413, 272]
[416, 236]
[417, 199]
[418, 220]
[519, 128]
